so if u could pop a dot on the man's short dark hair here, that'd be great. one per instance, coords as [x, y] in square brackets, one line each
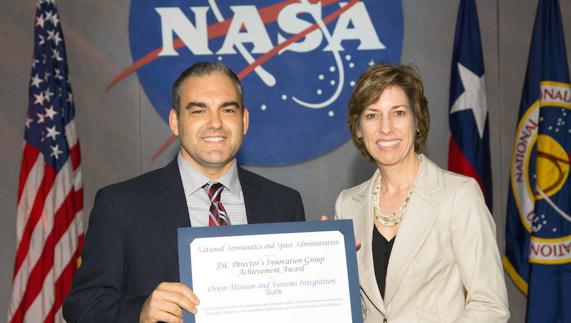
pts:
[205, 69]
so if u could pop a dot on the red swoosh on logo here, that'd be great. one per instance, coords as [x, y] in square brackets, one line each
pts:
[267, 14]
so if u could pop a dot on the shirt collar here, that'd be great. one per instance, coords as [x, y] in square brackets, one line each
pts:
[194, 179]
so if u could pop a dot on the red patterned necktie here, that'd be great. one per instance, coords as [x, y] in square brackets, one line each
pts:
[218, 215]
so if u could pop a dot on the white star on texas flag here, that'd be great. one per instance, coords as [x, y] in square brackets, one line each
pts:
[473, 98]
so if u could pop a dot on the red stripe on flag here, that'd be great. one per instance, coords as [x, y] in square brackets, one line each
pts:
[28, 160]
[75, 156]
[35, 215]
[63, 283]
[78, 199]
[62, 219]
[458, 163]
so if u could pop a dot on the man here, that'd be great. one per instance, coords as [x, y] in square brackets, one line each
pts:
[130, 264]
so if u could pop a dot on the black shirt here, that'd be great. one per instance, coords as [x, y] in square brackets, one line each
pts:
[381, 254]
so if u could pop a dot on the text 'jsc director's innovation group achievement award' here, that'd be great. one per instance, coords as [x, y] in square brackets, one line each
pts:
[283, 272]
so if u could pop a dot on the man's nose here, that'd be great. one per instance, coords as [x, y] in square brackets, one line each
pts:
[215, 120]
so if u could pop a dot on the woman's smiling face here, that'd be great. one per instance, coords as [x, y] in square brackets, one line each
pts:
[387, 128]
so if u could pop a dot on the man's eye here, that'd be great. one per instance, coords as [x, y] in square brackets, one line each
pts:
[197, 111]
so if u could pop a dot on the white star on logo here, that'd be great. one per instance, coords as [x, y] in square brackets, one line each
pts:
[473, 98]
[55, 151]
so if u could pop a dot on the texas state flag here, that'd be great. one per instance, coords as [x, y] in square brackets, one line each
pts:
[469, 148]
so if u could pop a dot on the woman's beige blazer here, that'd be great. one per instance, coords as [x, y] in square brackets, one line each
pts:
[445, 265]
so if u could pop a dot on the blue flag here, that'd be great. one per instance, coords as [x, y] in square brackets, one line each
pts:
[538, 228]
[469, 147]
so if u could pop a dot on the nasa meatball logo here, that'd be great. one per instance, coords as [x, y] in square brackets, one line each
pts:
[298, 62]
[540, 174]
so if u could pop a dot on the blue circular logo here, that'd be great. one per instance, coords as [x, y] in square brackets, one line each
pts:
[298, 62]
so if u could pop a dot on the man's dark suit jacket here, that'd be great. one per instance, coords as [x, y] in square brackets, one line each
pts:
[131, 243]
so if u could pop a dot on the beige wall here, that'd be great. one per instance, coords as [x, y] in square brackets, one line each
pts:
[119, 129]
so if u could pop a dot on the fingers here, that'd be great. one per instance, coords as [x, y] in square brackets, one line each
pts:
[357, 241]
[181, 295]
[158, 310]
[166, 302]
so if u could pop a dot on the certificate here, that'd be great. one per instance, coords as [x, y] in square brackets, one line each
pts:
[282, 272]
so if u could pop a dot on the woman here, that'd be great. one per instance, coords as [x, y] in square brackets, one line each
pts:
[428, 249]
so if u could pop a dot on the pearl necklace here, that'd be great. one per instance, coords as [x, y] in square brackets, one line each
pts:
[390, 220]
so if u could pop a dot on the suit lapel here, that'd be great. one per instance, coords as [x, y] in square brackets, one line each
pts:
[170, 203]
[257, 206]
[418, 221]
[364, 231]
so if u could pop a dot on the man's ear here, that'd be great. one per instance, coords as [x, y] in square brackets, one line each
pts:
[245, 119]
[173, 122]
